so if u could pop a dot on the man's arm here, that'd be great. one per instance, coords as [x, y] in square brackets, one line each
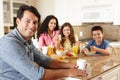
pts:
[55, 64]
[15, 56]
[61, 70]
[61, 73]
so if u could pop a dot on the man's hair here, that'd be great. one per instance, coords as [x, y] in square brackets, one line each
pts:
[32, 9]
[97, 28]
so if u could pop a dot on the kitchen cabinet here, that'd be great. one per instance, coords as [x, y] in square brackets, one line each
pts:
[7, 12]
[5, 15]
[113, 74]
[17, 4]
[100, 11]
[70, 11]
[10, 12]
[116, 12]
[64, 10]
[97, 11]
[1, 20]
[96, 2]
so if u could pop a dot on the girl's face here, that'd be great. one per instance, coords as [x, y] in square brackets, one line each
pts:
[52, 24]
[66, 31]
[97, 35]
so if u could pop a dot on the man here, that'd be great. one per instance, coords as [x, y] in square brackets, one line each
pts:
[17, 53]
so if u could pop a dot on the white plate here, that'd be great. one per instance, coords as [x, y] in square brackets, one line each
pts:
[60, 53]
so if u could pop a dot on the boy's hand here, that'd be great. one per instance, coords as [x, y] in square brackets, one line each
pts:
[85, 50]
[93, 48]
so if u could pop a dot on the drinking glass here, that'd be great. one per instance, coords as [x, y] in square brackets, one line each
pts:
[75, 49]
[45, 49]
[50, 50]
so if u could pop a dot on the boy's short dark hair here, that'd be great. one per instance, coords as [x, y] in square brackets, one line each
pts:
[32, 9]
[97, 28]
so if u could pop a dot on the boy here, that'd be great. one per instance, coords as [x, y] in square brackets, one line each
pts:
[98, 44]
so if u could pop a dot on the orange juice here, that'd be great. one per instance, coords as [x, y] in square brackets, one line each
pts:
[75, 49]
[50, 50]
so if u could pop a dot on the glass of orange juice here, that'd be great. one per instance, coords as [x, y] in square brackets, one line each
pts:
[75, 49]
[50, 50]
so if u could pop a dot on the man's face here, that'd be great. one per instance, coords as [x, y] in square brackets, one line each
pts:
[27, 25]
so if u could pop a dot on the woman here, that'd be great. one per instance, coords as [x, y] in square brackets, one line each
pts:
[48, 31]
[67, 39]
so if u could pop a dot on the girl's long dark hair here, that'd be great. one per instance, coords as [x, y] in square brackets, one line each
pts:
[71, 36]
[43, 28]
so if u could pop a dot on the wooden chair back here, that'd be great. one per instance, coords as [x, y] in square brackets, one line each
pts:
[113, 51]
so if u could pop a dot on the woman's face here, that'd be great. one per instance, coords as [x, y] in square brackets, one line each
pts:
[66, 31]
[97, 35]
[52, 24]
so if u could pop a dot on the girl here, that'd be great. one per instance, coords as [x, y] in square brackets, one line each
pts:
[66, 39]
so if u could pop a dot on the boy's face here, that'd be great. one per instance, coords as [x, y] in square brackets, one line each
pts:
[97, 35]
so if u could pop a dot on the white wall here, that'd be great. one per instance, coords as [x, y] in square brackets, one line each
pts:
[45, 7]
[64, 10]
[32, 2]
[116, 6]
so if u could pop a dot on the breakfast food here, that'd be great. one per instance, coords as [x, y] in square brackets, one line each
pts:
[88, 53]
[60, 49]
[69, 54]
[92, 49]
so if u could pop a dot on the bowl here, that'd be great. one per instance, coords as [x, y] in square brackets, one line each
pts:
[60, 53]
[90, 53]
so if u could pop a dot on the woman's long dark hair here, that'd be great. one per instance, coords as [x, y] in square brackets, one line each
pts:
[43, 28]
[71, 36]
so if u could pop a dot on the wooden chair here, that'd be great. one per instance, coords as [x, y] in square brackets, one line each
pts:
[113, 51]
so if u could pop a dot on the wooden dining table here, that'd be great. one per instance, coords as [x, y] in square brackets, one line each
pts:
[96, 65]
